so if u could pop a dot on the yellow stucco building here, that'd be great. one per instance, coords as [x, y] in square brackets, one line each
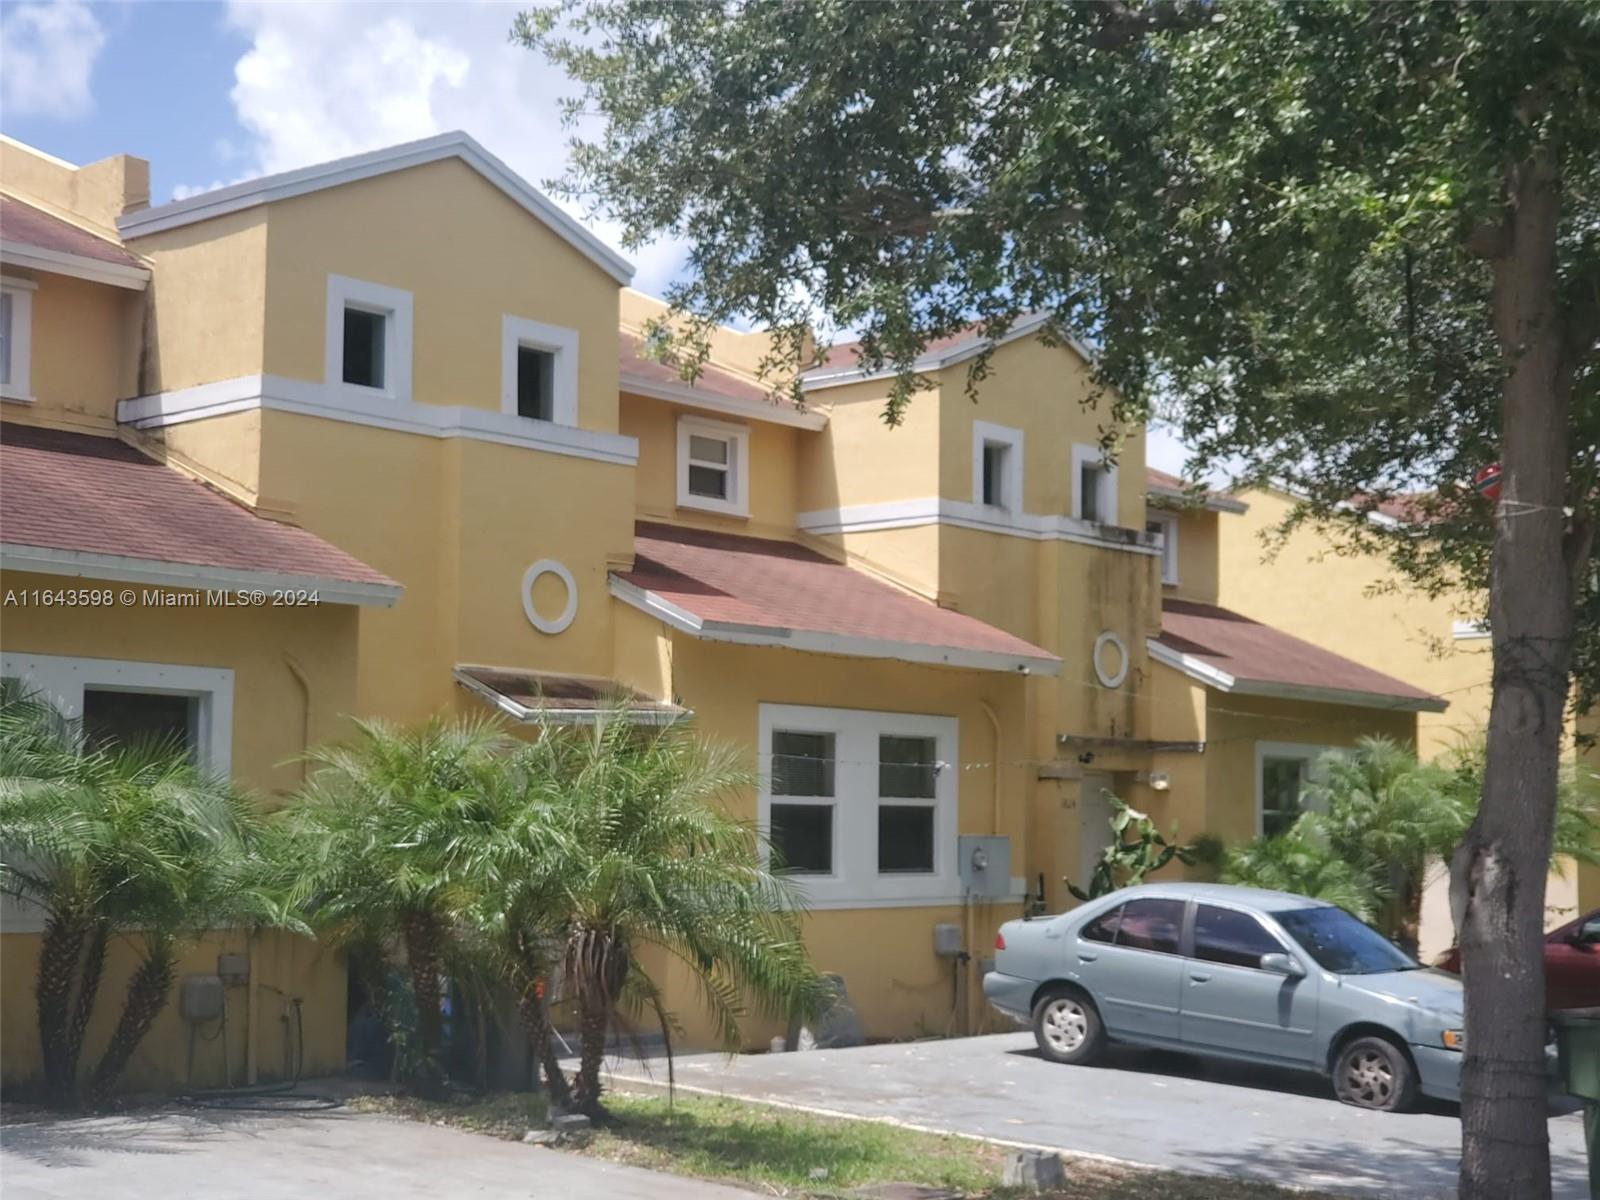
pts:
[405, 402]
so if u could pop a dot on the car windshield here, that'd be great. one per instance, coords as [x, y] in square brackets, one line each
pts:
[1342, 944]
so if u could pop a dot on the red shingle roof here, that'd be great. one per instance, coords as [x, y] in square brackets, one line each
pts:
[86, 495]
[30, 226]
[738, 588]
[711, 378]
[1261, 660]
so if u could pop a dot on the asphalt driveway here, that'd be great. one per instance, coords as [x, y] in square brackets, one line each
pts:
[329, 1155]
[1152, 1109]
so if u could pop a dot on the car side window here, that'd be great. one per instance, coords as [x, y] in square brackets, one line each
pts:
[1151, 925]
[1104, 927]
[1225, 935]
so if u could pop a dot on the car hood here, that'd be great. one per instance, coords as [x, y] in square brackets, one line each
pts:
[1426, 988]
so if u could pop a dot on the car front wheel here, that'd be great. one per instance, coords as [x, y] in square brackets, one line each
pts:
[1373, 1072]
[1067, 1028]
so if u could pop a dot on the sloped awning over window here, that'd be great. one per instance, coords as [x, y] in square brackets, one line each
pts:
[542, 698]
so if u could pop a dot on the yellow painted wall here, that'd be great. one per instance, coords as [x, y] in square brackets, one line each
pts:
[1199, 555]
[294, 685]
[467, 253]
[1329, 599]
[773, 474]
[84, 348]
[857, 459]
[92, 196]
[223, 451]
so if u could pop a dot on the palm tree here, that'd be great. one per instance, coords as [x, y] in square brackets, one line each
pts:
[114, 840]
[645, 854]
[1293, 861]
[389, 843]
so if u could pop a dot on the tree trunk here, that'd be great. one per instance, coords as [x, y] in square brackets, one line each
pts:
[1498, 873]
[94, 962]
[60, 950]
[531, 1003]
[424, 953]
[597, 963]
[594, 1018]
[147, 996]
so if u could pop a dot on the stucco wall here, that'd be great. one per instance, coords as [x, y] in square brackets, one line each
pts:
[83, 352]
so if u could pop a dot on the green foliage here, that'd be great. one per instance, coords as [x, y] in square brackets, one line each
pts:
[123, 841]
[1295, 861]
[1139, 850]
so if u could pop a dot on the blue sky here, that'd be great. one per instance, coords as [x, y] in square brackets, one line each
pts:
[212, 93]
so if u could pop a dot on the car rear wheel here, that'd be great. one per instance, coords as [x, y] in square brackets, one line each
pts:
[1373, 1072]
[1067, 1027]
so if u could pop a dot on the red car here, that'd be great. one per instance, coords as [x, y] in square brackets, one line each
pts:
[1571, 963]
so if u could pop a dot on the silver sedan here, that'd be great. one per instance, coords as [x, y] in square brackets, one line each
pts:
[1238, 973]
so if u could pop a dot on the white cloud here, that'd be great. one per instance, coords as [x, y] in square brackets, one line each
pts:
[49, 52]
[322, 81]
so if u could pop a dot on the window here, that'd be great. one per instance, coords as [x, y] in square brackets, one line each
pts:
[860, 804]
[1342, 944]
[1226, 935]
[997, 466]
[712, 466]
[1166, 524]
[538, 371]
[1283, 771]
[1094, 486]
[908, 769]
[363, 346]
[368, 339]
[16, 338]
[1151, 925]
[1104, 927]
[120, 718]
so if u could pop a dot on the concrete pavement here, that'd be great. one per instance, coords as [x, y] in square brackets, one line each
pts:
[329, 1155]
[1155, 1110]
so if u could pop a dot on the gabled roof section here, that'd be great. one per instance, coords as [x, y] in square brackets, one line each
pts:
[1159, 485]
[716, 389]
[33, 238]
[96, 508]
[1232, 653]
[454, 144]
[729, 587]
[842, 364]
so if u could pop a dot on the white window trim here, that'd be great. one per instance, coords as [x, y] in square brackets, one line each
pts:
[393, 303]
[516, 332]
[20, 387]
[986, 433]
[1307, 752]
[1083, 455]
[1169, 543]
[856, 882]
[738, 438]
[1469, 631]
[62, 680]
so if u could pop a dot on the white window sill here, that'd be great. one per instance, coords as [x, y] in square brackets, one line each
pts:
[11, 397]
[694, 504]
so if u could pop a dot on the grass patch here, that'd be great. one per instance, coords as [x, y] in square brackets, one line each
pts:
[781, 1152]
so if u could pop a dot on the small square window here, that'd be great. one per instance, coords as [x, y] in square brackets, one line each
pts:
[1089, 476]
[802, 838]
[1167, 526]
[905, 839]
[802, 764]
[536, 375]
[996, 461]
[365, 332]
[118, 718]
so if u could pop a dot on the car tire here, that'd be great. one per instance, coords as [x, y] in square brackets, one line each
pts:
[1374, 1072]
[1067, 1027]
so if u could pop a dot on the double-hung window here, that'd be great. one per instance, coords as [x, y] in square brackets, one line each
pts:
[713, 466]
[1283, 772]
[860, 807]
[16, 338]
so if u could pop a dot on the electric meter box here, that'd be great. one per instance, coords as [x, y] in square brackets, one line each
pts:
[200, 998]
[947, 939]
[984, 864]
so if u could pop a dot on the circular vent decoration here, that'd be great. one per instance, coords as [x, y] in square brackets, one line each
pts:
[549, 566]
[1110, 659]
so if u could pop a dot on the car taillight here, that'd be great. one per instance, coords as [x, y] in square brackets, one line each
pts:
[999, 941]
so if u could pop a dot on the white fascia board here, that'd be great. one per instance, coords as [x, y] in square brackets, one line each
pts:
[1204, 672]
[275, 393]
[827, 643]
[1212, 501]
[79, 266]
[524, 715]
[936, 510]
[455, 144]
[947, 357]
[693, 397]
[47, 560]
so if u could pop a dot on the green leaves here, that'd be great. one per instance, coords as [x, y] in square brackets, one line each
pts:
[1130, 859]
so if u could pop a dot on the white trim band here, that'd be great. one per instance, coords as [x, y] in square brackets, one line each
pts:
[825, 643]
[936, 510]
[276, 393]
[80, 564]
[78, 266]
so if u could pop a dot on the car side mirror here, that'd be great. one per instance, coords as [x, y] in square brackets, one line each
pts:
[1282, 964]
[1587, 934]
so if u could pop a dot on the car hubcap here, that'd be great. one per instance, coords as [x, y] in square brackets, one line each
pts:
[1370, 1078]
[1065, 1025]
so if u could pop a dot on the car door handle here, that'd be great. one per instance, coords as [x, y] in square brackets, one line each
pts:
[1084, 957]
[1198, 976]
